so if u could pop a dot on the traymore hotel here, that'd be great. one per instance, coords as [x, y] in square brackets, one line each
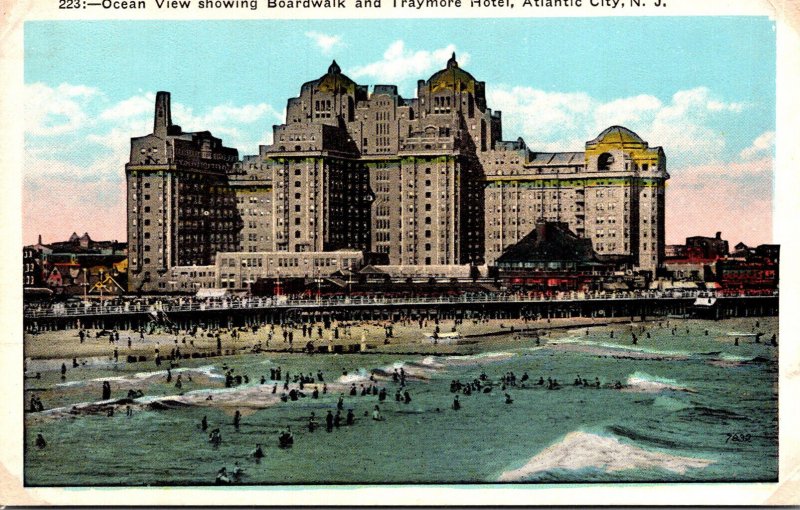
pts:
[356, 176]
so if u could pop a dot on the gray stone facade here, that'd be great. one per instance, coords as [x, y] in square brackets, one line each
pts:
[426, 181]
[181, 209]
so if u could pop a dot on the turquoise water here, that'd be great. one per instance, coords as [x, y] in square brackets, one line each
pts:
[682, 396]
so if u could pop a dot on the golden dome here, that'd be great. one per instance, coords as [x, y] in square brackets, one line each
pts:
[335, 82]
[452, 78]
[617, 135]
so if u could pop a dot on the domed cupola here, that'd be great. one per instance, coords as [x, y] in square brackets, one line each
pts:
[452, 78]
[335, 82]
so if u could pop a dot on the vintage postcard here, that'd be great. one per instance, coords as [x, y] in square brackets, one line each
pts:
[399, 252]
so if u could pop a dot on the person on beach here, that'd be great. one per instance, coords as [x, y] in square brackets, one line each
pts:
[106, 390]
[509, 400]
[406, 397]
[456, 403]
[340, 403]
[351, 418]
[40, 442]
[312, 422]
[63, 371]
[376, 414]
[179, 382]
[237, 419]
[337, 419]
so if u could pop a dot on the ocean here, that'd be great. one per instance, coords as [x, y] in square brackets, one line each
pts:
[691, 407]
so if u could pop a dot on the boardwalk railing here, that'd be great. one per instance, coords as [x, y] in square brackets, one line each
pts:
[189, 305]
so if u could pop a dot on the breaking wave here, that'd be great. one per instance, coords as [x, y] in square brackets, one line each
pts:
[640, 381]
[585, 451]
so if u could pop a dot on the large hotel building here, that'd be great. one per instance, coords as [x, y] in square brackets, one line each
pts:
[352, 175]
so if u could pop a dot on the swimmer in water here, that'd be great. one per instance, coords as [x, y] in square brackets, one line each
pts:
[258, 453]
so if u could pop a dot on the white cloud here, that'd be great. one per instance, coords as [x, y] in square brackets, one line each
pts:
[554, 121]
[241, 127]
[135, 106]
[400, 63]
[56, 111]
[763, 144]
[325, 42]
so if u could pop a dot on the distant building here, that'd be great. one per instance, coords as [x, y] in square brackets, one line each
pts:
[758, 270]
[32, 275]
[694, 261]
[75, 265]
[706, 247]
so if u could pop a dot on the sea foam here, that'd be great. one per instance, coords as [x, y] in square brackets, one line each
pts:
[640, 381]
[581, 450]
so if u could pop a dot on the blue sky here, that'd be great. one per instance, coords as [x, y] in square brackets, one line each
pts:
[701, 87]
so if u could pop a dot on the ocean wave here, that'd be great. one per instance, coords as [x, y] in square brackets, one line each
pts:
[707, 414]
[207, 371]
[640, 381]
[730, 360]
[615, 351]
[582, 450]
[639, 437]
[475, 359]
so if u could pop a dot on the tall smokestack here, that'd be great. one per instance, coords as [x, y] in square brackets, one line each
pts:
[163, 115]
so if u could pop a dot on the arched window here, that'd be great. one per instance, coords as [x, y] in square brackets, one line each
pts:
[605, 161]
